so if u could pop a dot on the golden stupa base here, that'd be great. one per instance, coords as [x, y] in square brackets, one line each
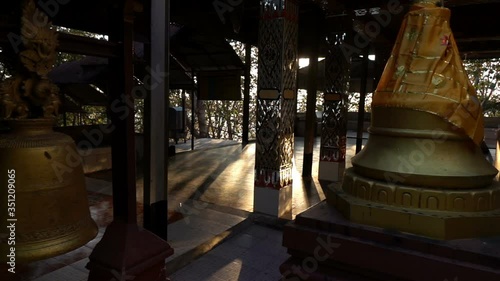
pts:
[437, 213]
[324, 245]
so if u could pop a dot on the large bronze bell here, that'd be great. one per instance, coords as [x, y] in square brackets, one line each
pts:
[47, 186]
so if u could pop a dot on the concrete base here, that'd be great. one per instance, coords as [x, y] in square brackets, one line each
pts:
[127, 252]
[326, 246]
[273, 202]
[331, 171]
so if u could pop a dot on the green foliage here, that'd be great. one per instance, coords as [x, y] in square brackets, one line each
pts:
[353, 102]
[90, 115]
[139, 115]
[485, 77]
[302, 101]
[4, 72]
[224, 119]
[5, 68]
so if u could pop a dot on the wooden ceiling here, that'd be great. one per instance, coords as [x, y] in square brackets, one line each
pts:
[475, 23]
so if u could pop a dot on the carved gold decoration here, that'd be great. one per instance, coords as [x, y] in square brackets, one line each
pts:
[432, 223]
[29, 94]
[382, 192]
[425, 49]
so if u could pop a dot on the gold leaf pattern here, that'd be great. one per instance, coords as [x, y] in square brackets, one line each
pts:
[31, 88]
[434, 80]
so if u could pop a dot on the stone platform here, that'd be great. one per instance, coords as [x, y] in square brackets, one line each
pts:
[326, 246]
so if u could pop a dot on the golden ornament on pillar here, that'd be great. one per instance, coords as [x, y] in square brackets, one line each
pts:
[44, 206]
[422, 170]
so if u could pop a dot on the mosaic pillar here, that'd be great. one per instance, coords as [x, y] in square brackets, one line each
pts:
[334, 121]
[276, 107]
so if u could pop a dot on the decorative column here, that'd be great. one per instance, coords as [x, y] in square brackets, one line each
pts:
[276, 107]
[334, 121]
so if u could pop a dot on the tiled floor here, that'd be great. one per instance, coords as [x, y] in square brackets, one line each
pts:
[200, 226]
[255, 254]
[213, 173]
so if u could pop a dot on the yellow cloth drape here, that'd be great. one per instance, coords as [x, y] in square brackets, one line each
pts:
[425, 72]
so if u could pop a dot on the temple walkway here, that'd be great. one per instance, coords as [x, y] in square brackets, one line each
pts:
[212, 228]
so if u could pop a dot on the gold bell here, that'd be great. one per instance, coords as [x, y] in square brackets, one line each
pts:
[43, 195]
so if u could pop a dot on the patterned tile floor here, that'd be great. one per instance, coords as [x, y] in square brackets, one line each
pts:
[255, 255]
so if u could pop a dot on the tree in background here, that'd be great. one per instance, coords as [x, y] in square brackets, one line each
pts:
[221, 119]
[485, 77]
[353, 102]
[225, 118]
[5, 68]
[302, 101]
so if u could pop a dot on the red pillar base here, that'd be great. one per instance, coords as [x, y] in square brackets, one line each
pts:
[325, 246]
[127, 252]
